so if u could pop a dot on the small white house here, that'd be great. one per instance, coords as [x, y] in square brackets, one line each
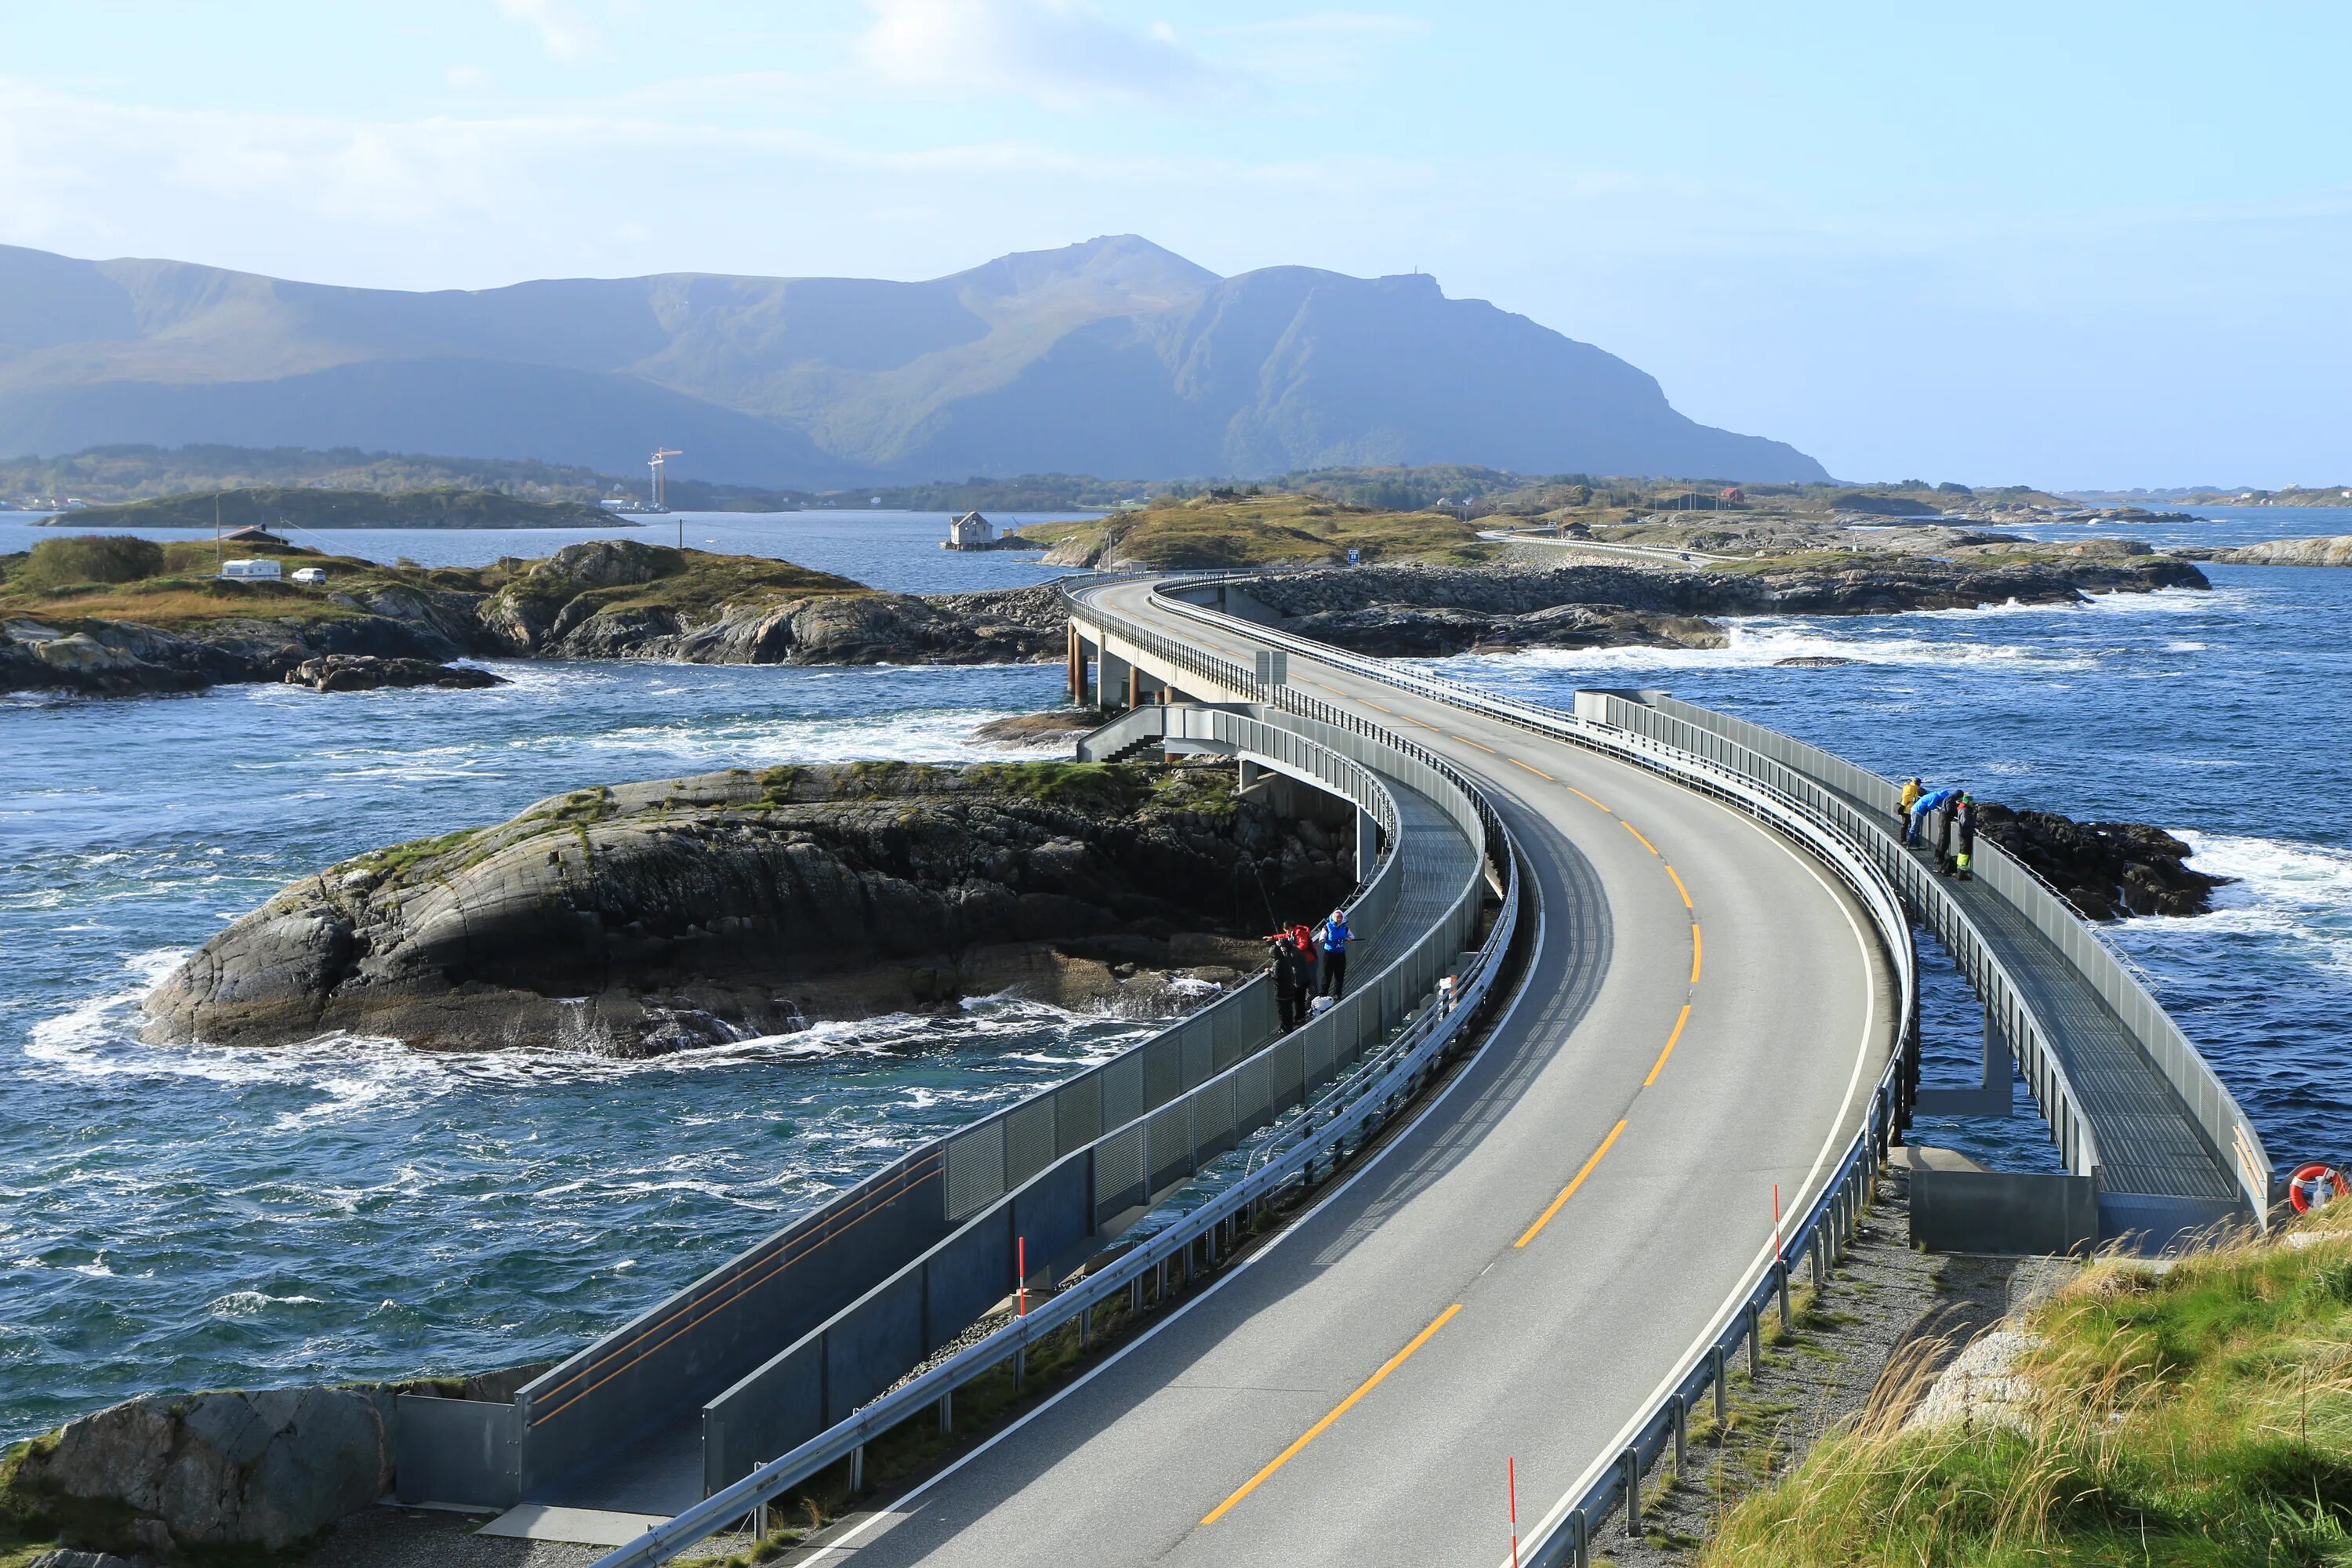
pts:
[250, 571]
[970, 531]
[310, 574]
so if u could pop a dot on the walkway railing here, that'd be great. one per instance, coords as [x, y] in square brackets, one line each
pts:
[1217, 1115]
[1821, 1230]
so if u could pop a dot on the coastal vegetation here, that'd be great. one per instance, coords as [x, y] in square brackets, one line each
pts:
[2200, 1414]
[1229, 530]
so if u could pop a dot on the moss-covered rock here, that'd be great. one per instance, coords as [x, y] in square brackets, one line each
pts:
[680, 912]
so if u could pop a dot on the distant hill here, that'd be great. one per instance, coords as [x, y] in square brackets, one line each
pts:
[1110, 357]
[313, 509]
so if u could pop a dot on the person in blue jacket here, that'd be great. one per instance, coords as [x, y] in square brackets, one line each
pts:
[1333, 937]
[1935, 800]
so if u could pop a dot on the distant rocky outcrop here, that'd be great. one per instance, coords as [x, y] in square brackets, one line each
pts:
[2105, 870]
[609, 598]
[1427, 611]
[2334, 550]
[682, 912]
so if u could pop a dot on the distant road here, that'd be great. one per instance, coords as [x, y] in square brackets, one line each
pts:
[1515, 1274]
[1641, 553]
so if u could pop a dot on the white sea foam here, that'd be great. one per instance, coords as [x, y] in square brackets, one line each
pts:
[2297, 895]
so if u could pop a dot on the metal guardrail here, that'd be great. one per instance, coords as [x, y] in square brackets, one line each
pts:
[1378, 1088]
[2228, 1133]
[726, 1324]
[1824, 1228]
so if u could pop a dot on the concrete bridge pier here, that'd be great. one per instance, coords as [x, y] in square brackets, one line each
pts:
[1992, 1095]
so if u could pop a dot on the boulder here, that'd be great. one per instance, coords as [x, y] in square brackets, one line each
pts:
[270, 1470]
[366, 672]
[2105, 870]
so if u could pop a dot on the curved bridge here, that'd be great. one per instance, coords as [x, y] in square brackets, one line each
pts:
[1691, 1081]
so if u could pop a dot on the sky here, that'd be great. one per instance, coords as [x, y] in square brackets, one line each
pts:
[2074, 245]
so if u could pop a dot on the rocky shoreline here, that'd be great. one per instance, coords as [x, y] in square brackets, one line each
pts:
[649, 918]
[605, 599]
[1412, 611]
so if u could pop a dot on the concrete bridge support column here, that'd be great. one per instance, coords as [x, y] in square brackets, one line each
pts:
[1250, 772]
[1114, 681]
[1078, 666]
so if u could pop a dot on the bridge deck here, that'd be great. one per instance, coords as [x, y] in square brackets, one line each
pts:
[660, 1471]
[2148, 1141]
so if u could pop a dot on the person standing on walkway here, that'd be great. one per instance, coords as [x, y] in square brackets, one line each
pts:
[1935, 800]
[1943, 839]
[1965, 843]
[1912, 790]
[1291, 980]
[1333, 939]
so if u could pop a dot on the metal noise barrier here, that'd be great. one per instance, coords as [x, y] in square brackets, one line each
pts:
[1345, 1114]
[724, 1326]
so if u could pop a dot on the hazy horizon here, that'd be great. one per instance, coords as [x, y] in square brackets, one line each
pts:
[2097, 249]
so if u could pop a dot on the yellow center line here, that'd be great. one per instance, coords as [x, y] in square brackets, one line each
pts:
[1346, 1404]
[1588, 799]
[1694, 953]
[1468, 742]
[1659, 1066]
[1415, 722]
[1680, 888]
[1369, 703]
[1645, 842]
[1532, 768]
[1568, 1191]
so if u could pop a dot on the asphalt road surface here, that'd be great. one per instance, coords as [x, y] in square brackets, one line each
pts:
[1511, 1278]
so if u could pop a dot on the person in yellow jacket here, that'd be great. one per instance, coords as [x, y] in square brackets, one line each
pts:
[1912, 790]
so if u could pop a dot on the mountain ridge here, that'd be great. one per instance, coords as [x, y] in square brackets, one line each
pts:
[1114, 355]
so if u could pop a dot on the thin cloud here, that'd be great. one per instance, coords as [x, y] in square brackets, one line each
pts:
[562, 32]
[1063, 53]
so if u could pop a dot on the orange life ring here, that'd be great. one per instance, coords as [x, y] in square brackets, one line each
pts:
[2314, 1177]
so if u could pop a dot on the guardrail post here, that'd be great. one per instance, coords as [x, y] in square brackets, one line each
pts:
[1086, 1326]
[1682, 1437]
[1632, 1460]
[1020, 1369]
[1583, 1525]
[1754, 1342]
[1820, 1246]
[1780, 1277]
[1722, 1397]
[858, 1469]
[947, 1411]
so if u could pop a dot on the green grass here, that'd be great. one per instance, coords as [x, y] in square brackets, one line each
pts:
[181, 591]
[2200, 1416]
[1265, 530]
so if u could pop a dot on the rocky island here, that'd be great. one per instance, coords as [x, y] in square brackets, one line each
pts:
[653, 917]
[110, 615]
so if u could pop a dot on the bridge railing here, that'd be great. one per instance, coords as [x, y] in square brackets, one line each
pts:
[1822, 1228]
[1391, 1027]
[710, 1335]
[2229, 1135]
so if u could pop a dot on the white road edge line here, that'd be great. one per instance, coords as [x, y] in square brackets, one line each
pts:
[898, 1511]
[1616, 1446]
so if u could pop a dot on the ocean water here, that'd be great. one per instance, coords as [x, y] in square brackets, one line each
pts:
[182, 1217]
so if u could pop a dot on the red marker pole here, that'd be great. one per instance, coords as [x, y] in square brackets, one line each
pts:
[1021, 1268]
[1511, 1477]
